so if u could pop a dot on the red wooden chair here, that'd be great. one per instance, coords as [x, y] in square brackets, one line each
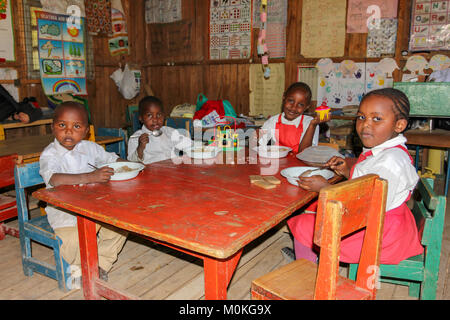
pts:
[8, 208]
[342, 209]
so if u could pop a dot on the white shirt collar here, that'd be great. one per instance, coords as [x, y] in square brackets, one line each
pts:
[398, 140]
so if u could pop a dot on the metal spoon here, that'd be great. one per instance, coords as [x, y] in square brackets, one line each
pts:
[156, 133]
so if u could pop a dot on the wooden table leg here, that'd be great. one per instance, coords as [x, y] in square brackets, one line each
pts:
[218, 274]
[87, 236]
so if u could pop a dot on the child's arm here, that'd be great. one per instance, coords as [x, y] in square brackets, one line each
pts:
[339, 165]
[143, 140]
[314, 183]
[309, 134]
[99, 175]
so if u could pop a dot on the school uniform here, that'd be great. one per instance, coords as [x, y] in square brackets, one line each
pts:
[57, 159]
[158, 148]
[392, 162]
[286, 132]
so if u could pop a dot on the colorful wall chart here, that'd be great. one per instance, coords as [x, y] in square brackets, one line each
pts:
[343, 84]
[230, 29]
[62, 55]
[6, 31]
[430, 24]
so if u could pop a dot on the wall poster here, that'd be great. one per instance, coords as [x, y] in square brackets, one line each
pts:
[62, 55]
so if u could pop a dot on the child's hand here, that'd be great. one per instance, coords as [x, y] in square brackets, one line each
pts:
[101, 175]
[317, 120]
[338, 165]
[143, 140]
[314, 183]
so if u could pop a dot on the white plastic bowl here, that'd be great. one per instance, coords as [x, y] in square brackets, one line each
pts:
[273, 152]
[292, 173]
[118, 176]
[202, 152]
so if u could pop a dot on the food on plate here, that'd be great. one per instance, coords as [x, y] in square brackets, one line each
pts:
[123, 169]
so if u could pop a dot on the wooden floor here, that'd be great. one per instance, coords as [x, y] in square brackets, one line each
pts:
[152, 271]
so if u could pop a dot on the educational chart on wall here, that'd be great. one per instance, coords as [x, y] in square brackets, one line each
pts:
[363, 13]
[62, 56]
[266, 94]
[163, 11]
[230, 29]
[343, 84]
[6, 31]
[323, 28]
[430, 25]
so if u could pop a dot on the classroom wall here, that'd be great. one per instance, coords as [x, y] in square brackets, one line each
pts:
[174, 61]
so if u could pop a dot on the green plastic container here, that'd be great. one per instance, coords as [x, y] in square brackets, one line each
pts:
[427, 99]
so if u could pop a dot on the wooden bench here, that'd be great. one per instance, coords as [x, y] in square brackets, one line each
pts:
[14, 125]
[420, 273]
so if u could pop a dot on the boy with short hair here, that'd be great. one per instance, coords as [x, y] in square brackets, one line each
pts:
[66, 161]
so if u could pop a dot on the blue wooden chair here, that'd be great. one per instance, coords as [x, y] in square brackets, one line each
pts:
[118, 147]
[180, 123]
[132, 116]
[420, 273]
[38, 230]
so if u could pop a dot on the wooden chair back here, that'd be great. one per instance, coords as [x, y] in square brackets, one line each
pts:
[420, 273]
[8, 208]
[7, 164]
[343, 209]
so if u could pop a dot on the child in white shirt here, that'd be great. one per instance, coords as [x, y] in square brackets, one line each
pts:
[292, 128]
[66, 162]
[381, 119]
[154, 142]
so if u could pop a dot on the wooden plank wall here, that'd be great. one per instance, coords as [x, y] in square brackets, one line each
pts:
[174, 61]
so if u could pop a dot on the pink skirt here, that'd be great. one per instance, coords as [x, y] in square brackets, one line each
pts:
[400, 237]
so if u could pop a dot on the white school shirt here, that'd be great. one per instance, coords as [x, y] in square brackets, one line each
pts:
[158, 148]
[57, 159]
[271, 123]
[393, 165]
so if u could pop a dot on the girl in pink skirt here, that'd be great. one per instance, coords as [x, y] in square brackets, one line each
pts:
[381, 119]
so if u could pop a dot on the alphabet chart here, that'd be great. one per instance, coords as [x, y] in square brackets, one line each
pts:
[429, 25]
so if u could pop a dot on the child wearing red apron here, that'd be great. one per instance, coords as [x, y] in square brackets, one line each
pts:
[292, 128]
[382, 116]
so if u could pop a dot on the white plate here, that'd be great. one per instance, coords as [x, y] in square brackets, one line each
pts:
[272, 151]
[293, 172]
[118, 176]
[318, 154]
[202, 152]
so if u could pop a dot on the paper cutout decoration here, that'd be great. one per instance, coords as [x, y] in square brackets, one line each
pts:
[230, 28]
[98, 16]
[336, 91]
[325, 66]
[62, 55]
[347, 68]
[416, 64]
[439, 62]
[323, 28]
[167, 11]
[430, 24]
[386, 66]
[362, 13]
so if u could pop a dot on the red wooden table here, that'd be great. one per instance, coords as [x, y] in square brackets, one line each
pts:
[210, 211]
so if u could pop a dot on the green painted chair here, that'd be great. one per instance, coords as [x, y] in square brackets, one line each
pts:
[420, 273]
